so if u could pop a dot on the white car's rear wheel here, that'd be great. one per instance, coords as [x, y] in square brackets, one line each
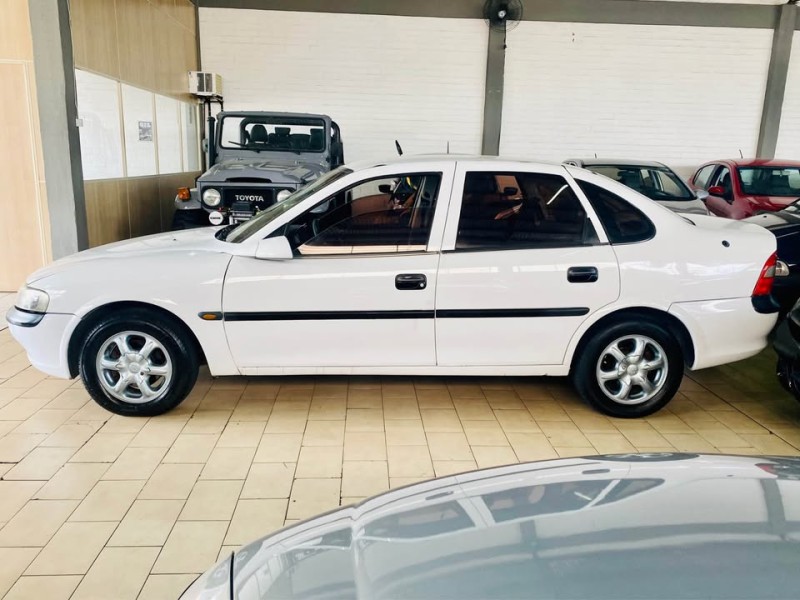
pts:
[138, 363]
[629, 368]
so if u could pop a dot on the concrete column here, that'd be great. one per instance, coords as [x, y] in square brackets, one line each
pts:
[776, 81]
[493, 91]
[55, 88]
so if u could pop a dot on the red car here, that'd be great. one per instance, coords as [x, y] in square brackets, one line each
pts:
[741, 188]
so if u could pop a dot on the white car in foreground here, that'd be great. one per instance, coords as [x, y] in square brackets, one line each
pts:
[420, 266]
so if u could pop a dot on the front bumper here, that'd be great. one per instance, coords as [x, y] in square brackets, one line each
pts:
[46, 342]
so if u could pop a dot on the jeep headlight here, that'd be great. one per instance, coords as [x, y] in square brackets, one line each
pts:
[32, 300]
[283, 195]
[212, 197]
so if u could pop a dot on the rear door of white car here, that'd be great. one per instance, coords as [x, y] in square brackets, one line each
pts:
[360, 289]
[524, 263]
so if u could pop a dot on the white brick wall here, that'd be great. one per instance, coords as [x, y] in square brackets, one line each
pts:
[419, 80]
[789, 134]
[677, 94]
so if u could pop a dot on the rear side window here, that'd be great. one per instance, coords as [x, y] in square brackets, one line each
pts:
[624, 224]
[703, 175]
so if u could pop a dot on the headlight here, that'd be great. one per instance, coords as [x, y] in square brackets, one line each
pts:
[283, 195]
[212, 197]
[32, 300]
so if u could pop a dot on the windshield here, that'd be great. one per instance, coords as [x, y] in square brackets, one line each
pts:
[273, 133]
[248, 228]
[770, 181]
[657, 183]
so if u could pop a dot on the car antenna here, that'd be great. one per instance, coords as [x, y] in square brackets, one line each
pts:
[740, 153]
[399, 149]
[595, 154]
[448, 146]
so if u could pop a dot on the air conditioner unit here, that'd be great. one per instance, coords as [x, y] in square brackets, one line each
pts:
[205, 84]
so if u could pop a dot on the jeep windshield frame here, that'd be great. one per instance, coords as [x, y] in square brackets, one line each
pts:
[266, 132]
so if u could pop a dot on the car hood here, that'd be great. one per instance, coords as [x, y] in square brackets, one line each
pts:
[594, 527]
[276, 171]
[189, 241]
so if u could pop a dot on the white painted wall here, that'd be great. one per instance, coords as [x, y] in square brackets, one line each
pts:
[681, 95]
[789, 134]
[140, 154]
[419, 80]
[100, 127]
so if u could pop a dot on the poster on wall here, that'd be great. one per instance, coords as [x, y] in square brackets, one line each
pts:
[138, 117]
[99, 126]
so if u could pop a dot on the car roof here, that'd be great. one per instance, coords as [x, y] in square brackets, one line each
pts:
[267, 113]
[756, 162]
[614, 162]
[435, 158]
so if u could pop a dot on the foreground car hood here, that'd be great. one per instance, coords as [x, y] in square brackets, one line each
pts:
[276, 171]
[671, 525]
[191, 240]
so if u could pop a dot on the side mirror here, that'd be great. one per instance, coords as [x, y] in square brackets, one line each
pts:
[385, 188]
[205, 146]
[274, 248]
[716, 190]
[701, 195]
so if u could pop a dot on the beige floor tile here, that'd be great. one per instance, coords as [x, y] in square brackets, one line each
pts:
[365, 399]
[56, 587]
[366, 445]
[517, 421]
[474, 410]
[689, 442]
[324, 433]
[36, 522]
[364, 419]
[123, 570]
[410, 461]
[575, 452]
[44, 421]
[208, 421]
[16, 446]
[665, 422]
[485, 433]
[254, 519]
[147, 523]
[122, 424]
[73, 481]
[211, 501]
[503, 399]
[770, 444]
[228, 463]
[723, 437]
[645, 437]
[108, 501]
[72, 398]
[493, 456]
[71, 435]
[364, 478]
[319, 462]
[443, 468]
[158, 433]
[192, 448]
[465, 390]
[311, 497]
[739, 423]
[546, 410]
[72, 550]
[252, 410]
[91, 411]
[242, 434]
[279, 447]
[14, 495]
[440, 420]
[400, 408]
[434, 398]
[135, 463]
[327, 409]
[407, 432]
[610, 443]
[289, 421]
[591, 422]
[22, 408]
[161, 587]
[449, 446]
[531, 446]
[396, 482]
[13, 562]
[47, 389]
[103, 447]
[171, 482]
[269, 480]
[41, 464]
[564, 434]
[8, 426]
[192, 547]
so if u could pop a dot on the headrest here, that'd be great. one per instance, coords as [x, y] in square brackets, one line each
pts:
[480, 183]
[258, 133]
[282, 130]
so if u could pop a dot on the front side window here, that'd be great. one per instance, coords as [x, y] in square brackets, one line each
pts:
[273, 133]
[703, 175]
[624, 224]
[391, 214]
[520, 210]
[657, 183]
[770, 181]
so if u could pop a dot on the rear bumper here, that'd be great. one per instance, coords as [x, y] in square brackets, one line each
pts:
[724, 331]
[784, 343]
[46, 342]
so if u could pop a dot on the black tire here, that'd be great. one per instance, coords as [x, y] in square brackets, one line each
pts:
[189, 219]
[180, 352]
[585, 379]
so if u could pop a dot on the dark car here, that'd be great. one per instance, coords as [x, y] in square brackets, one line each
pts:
[785, 224]
[741, 188]
[613, 527]
[787, 346]
[652, 179]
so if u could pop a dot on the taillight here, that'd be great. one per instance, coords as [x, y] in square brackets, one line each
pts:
[765, 280]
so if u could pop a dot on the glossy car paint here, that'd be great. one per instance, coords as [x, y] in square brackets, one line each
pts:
[701, 272]
[671, 525]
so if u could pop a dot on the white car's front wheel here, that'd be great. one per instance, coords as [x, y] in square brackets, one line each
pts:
[629, 368]
[137, 363]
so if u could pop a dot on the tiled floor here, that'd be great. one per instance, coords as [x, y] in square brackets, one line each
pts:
[99, 506]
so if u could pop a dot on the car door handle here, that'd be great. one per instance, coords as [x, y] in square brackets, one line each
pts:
[582, 274]
[411, 281]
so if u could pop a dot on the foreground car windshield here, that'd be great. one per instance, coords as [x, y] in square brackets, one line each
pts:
[265, 133]
[770, 181]
[245, 230]
[657, 183]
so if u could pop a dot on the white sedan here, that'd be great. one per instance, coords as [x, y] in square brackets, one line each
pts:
[420, 266]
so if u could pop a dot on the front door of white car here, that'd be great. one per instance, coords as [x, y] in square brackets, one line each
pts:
[360, 289]
[524, 263]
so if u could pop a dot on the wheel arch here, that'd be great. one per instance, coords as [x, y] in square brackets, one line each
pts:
[671, 322]
[92, 317]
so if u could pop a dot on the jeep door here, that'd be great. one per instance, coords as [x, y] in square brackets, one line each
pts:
[360, 289]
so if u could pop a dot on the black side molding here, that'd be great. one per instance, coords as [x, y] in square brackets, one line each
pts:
[765, 304]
